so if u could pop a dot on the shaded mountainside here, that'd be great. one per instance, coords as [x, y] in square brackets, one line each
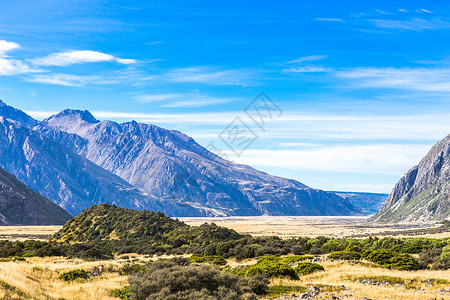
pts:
[423, 193]
[20, 205]
[77, 161]
[172, 166]
[368, 203]
[108, 222]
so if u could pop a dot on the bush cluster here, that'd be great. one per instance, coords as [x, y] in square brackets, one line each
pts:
[169, 280]
[73, 275]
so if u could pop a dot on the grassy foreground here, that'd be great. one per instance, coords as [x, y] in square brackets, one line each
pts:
[37, 278]
[109, 252]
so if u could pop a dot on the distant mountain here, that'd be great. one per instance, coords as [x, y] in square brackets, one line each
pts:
[71, 181]
[368, 203]
[423, 193]
[20, 205]
[172, 166]
[77, 161]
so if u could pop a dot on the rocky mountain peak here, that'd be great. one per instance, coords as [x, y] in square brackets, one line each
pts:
[74, 115]
[14, 114]
[423, 193]
[72, 121]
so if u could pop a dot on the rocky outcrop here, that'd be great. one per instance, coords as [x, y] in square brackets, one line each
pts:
[423, 193]
[20, 205]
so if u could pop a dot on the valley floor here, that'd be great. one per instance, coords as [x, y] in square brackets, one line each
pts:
[284, 227]
[37, 278]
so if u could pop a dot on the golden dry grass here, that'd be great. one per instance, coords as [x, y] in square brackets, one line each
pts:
[287, 227]
[338, 274]
[38, 279]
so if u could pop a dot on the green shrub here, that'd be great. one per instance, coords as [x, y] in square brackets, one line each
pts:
[73, 275]
[129, 269]
[271, 266]
[403, 262]
[345, 255]
[353, 248]
[381, 256]
[296, 258]
[334, 245]
[306, 268]
[214, 259]
[123, 293]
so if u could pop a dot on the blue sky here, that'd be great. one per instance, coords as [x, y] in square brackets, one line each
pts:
[364, 86]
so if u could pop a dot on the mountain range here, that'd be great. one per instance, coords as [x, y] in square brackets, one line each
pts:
[20, 205]
[423, 193]
[77, 161]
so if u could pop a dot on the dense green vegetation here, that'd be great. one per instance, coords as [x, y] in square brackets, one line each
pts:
[105, 230]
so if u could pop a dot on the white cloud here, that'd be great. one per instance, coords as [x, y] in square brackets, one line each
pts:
[208, 75]
[15, 67]
[382, 12]
[156, 97]
[78, 57]
[421, 10]
[422, 79]
[199, 101]
[329, 19]
[307, 69]
[414, 24]
[6, 46]
[307, 58]
[64, 79]
[183, 100]
[392, 159]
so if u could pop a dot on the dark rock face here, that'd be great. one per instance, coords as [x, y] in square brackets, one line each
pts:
[20, 205]
[423, 193]
[78, 161]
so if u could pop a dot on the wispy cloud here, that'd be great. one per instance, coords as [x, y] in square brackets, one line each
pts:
[156, 97]
[392, 159]
[188, 100]
[208, 75]
[382, 12]
[414, 24]
[6, 46]
[307, 69]
[307, 58]
[15, 67]
[12, 66]
[154, 43]
[423, 79]
[78, 57]
[329, 19]
[422, 10]
[63, 79]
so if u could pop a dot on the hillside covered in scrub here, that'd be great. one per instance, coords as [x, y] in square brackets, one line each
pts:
[20, 205]
[106, 222]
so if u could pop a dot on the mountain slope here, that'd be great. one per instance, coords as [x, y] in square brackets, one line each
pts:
[70, 180]
[368, 203]
[172, 166]
[20, 205]
[423, 193]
